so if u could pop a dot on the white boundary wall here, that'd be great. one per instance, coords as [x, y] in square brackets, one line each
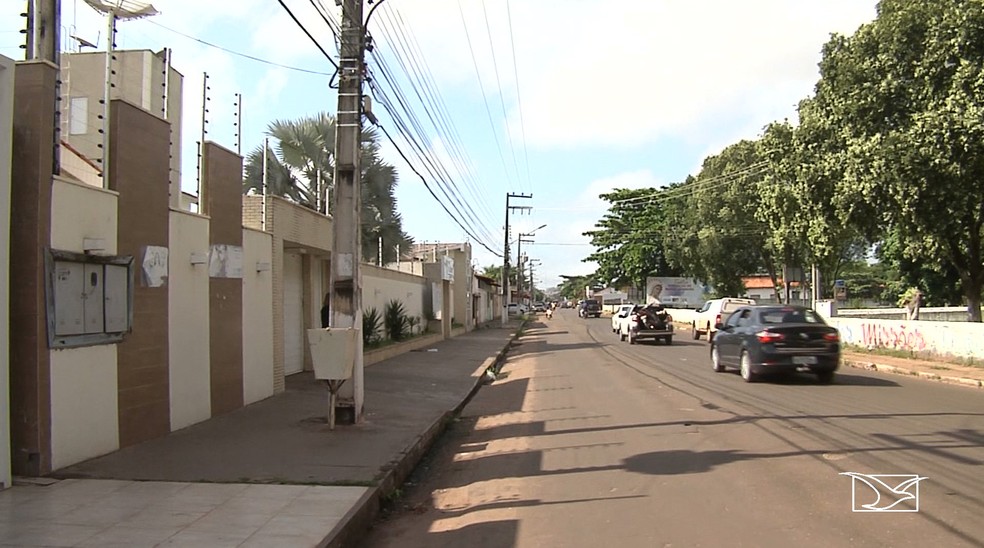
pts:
[925, 338]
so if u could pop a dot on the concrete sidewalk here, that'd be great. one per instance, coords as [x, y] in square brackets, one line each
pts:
[271, 474]
[935, 370]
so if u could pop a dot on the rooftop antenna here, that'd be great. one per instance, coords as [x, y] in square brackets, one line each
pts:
[125, 10]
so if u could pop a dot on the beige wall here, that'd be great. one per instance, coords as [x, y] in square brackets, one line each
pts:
[80, 211]
[139, 81]
[6, 121]
[379, 286]
[258, 375]
[188, 320]
[84, 412]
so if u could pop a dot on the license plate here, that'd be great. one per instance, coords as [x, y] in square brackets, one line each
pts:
[805, 360]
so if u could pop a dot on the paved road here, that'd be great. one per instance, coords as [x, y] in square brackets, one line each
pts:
[589, 441]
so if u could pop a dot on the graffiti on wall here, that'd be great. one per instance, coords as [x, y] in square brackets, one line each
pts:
[875, 335]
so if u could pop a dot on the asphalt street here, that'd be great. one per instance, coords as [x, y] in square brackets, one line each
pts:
[588, 441]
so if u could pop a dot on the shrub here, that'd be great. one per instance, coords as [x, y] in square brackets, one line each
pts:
[412, 323]
[371, 322]
[395, 320]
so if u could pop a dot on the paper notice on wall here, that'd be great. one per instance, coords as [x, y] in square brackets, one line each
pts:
[225, 261]
[154, 266]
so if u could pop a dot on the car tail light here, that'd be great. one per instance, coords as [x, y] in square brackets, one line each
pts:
[831, 337]
[767, 336]
[717, 319]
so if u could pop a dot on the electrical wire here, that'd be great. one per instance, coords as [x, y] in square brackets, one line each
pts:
[239, 54]
[519, 98]
[444, 125]
[498, 83]
[481, 88]
[313, 40]
[427, 186]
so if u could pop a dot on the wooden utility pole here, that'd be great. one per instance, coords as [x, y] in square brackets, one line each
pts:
[345, 300]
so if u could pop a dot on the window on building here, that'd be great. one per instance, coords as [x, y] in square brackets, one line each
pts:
[89, 299]
[78, 115]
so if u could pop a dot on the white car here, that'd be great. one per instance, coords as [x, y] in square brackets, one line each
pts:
[517, 308]
[619, 316]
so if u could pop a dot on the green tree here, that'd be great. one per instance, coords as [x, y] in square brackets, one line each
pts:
[904, 96]
[300, 165]
[630, 239]
[724, 239]
[573, 286]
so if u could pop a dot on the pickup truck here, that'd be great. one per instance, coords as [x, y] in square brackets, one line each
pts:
[648, 322]
[714, 312]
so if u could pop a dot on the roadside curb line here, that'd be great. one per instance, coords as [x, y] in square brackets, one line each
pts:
[949, 379]
[351, 529]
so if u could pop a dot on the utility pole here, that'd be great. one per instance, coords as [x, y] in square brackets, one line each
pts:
[506, 294]
[43, 42]
[345, 300]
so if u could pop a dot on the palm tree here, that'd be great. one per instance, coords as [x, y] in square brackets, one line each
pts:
[300, 166]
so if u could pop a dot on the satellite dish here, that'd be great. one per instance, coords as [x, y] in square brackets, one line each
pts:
[83, 43]
[123, 9]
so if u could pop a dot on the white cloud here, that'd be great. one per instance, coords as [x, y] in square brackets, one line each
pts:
[590, 74]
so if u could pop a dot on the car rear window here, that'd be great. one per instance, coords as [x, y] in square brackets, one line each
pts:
[789, 315]
[731, 306]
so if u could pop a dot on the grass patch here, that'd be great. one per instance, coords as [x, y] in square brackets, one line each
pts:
[912, 355]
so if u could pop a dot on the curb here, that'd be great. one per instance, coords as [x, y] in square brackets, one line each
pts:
[882, 368]
[353, 526]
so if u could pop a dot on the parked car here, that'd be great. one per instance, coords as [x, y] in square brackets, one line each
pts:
[769, 339]
[620, 314]
[539, 307]
[713, 312]
[517, 308]
[589, 308]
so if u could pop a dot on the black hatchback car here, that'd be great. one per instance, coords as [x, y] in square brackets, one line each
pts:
[766, 339]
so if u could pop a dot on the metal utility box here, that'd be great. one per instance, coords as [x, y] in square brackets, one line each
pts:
[333, 352]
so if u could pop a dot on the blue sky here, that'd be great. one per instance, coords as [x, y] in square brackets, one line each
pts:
[601, 94]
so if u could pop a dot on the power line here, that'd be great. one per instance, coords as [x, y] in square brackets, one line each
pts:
[315, 42]
[240, 54]
[519, 97]
[481, 88]
[450, 133]
[498, 83]
[427, 186]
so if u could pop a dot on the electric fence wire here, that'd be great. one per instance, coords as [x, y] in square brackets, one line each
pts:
[407, 52]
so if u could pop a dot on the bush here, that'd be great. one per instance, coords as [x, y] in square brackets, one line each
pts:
[371, 322]
[395, 321]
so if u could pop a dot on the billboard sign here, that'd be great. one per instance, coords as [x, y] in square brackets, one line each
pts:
[675, 292]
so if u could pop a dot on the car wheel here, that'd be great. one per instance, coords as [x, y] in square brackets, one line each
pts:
[716, 359]
[693, 331]
[746, 368]
[632, 340]
[710, 334]
[669, 340]
[825, 377]
[621, 336]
